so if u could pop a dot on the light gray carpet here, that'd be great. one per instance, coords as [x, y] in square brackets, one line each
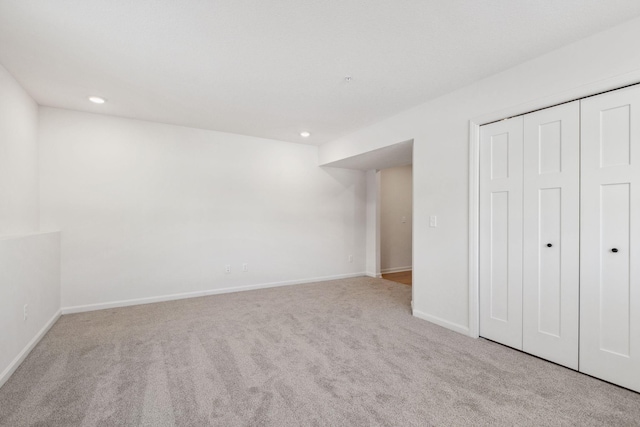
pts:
[345, 352]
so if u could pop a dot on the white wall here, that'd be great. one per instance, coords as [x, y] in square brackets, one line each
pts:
[30, 272]
[149, 210]
[29, 261]
[440, 130]
[395, 204]
[18, 158]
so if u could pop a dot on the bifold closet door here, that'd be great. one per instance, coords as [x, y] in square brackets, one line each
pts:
[501, 232]
[610, 237]
[551, 246]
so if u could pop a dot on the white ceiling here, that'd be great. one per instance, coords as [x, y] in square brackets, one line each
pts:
[272, 68]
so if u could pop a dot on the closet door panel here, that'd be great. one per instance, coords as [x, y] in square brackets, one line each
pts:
[501, 232]
[610, 237]
[551, 215]
[614, 269]
[544, 313]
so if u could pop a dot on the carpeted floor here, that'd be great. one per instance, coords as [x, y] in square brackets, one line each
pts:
[338, 353]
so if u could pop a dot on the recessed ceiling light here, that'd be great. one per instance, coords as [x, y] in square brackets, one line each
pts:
[305, 134]
[97, 100]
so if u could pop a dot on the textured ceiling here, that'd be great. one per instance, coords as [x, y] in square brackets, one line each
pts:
[272, 68]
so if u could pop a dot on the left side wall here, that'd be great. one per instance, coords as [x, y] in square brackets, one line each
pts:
[29, 258]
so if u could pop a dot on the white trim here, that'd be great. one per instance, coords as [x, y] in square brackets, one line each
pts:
[378, 217]
[6, 374]
[474, 230]
[441, 322]
[173, 297]
[396, 269]
[572, 94]
[374, 275]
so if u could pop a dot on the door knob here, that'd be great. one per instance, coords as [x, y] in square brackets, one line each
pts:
[549, 245]
[614, 250]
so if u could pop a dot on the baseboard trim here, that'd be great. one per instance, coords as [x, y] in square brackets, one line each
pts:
[396, 269]
[6, 374]
[374, 275]
[441, 322]
[196, 294]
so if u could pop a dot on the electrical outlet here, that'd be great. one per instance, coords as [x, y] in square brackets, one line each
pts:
[245, 267]
[227, 269]
[26, 312]
[350, 258]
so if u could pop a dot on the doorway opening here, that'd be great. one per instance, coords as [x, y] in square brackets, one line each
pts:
[396, 200]
[374, 163]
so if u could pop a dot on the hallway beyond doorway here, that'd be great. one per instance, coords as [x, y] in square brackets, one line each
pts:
[404, 277]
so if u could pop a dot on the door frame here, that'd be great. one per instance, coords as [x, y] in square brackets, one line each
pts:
[573, 94]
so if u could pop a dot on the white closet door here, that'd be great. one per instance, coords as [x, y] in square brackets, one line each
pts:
[610, 238]
[551, 246]
[501, 232]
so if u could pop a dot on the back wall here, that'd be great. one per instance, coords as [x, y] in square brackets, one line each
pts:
[149, 211]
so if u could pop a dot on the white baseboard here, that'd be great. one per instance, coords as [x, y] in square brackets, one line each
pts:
[163, 298]
[374, 275]
[396, 269]
[441, 322]
[6, 374]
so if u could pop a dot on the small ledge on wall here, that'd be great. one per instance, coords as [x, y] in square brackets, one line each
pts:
[23, 235]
